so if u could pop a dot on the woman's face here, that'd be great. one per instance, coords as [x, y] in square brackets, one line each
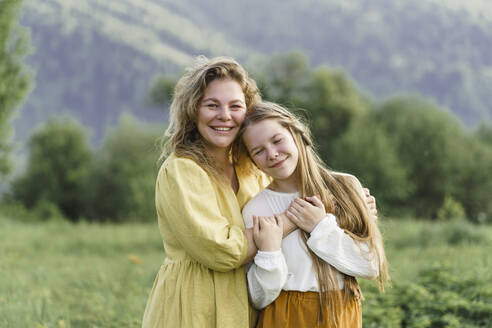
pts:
[272, 148]
[221, 113]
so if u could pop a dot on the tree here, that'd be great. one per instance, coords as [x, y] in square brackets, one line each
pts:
[330, 99]
[431, 147]
[14, 78]
[367, 151]
[123, 180]
[58, 168]
[161, 92]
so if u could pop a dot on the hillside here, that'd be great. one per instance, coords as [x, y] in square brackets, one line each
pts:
[96, 59]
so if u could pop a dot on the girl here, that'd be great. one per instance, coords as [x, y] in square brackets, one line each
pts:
[311, 281]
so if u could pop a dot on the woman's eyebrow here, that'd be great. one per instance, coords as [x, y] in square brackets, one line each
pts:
[210, 99]
[217, 100]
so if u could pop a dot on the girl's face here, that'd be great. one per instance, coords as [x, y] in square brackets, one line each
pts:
[221, 113]
[272, 148]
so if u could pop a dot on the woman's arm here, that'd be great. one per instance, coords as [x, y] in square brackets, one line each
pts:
[187, 204]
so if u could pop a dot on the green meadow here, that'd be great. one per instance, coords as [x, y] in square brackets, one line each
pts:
[60, 274]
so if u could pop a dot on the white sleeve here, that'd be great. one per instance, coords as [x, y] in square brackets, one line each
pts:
[266, 277]
[329, 242]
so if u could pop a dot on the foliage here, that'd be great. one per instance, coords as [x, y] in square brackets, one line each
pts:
[161, 92]
[431, 145]
[123, 180]
[60, 274]
[43, 211]
[408, 151]
[14, 78]
[484, 133]
[438, 297]
[331, 101]
[450, 210]
[58, 168]
[367, 151]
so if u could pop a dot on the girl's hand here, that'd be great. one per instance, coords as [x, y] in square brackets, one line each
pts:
[289, 226]
[371, 203]
[267, 233]
[306, 214]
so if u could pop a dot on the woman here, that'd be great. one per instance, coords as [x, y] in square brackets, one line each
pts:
[199, 195]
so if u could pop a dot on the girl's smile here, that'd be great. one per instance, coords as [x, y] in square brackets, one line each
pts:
[273, 150]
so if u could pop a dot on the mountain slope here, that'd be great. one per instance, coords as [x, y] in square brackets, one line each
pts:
[96, 59]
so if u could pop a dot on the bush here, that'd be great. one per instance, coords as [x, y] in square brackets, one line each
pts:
[438, 297]
[435, 151]
[450, 210]
[123, 180]
[366, 151]
[58, 169]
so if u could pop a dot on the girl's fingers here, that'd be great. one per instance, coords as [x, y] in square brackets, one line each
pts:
[280, 222]
[298, 207]
[291, 216]
[366, 191]
[315, 201]
[299, 202]
[294, 211]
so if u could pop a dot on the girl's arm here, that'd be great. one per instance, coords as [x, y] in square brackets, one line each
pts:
[329, 242]
[288, 227]
[268, 273]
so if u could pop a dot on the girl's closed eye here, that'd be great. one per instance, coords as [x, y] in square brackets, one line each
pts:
[258, 152]
[277, 141]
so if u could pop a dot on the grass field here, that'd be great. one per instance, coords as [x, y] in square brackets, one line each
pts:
[58, 274]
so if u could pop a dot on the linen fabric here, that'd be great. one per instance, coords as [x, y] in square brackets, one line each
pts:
[294, 309]
[202, 282]
[291, 269]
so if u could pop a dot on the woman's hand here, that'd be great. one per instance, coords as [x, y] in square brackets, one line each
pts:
[306, 214]
[267, 233]
[371, 203]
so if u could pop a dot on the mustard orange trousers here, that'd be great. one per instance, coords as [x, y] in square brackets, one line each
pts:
[293, 309]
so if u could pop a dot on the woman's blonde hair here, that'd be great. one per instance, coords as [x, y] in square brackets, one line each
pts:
[182, 136]
[341, 195]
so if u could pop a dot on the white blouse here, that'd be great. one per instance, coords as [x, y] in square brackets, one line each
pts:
[291, 268]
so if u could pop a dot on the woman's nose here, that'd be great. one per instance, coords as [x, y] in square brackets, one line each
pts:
[224, 114]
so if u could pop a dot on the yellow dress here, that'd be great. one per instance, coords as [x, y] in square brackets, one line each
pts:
[202, 282]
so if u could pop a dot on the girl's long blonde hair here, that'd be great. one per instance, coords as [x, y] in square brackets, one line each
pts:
[341, 195]
[182, 136]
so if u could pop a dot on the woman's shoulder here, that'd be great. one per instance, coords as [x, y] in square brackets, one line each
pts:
[176, 165]
[349, 179]
[345, 176]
